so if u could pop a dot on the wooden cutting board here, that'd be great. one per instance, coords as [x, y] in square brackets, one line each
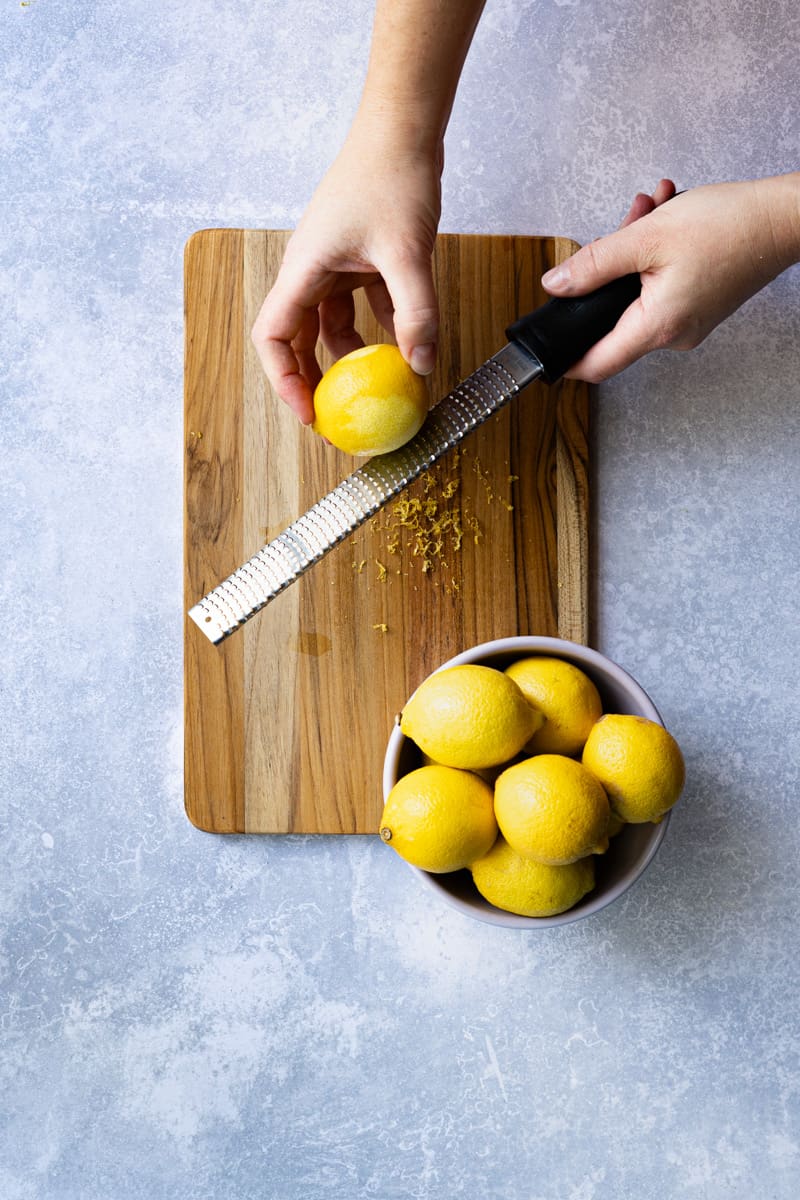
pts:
[286, 722]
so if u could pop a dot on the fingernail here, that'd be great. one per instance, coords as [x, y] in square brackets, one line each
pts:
[556, 278]
[423, 358]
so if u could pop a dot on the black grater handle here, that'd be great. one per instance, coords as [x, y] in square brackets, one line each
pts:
[562, 330]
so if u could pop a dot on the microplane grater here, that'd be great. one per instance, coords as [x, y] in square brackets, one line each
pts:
[543, 344]
[361, 495]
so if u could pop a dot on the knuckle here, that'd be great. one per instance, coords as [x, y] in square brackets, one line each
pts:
[591, 257]
[648, 242]
[419, 314]
[597, 375]
[590, 262]
[268, 324]
[589, 372]
[257, 335]
[417, 325]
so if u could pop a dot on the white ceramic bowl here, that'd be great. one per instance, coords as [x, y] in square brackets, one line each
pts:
[629, 853]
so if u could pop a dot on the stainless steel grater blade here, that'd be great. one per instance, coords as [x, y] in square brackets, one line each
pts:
[234, 601]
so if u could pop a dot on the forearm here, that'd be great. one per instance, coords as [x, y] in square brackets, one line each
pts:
[417, 55]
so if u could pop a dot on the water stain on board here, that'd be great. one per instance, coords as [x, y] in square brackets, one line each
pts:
[315, 644]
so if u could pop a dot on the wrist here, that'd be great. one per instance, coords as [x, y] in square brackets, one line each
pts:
[780, 204]
[399, 128]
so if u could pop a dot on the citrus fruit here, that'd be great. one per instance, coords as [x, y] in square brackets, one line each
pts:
[439, 818]
[552, 809]
[565, 695]
[532, 889]
[370, 401]
[469, 716]
[639, 764]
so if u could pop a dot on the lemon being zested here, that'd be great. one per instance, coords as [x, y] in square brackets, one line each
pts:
[552, 809]
[439, 818]
[370, 401]
[469, 716]
[565, 695]
[532, 889]
[639, 764]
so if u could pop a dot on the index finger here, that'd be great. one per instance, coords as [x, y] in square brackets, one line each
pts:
[284, 334]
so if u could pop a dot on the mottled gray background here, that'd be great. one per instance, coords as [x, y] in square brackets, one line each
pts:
[184, 1016]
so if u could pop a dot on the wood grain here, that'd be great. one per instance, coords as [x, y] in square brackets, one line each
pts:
[213, 534]
[287, 721]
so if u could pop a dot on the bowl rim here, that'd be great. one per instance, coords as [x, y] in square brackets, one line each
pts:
[534, 644]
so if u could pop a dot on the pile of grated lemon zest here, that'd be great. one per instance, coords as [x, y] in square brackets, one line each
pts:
[432, 526]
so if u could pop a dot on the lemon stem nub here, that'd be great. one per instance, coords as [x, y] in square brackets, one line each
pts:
[386, 834]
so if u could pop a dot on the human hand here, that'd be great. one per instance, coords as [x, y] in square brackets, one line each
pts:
[643, 203]
[700, 256]
[372, 223]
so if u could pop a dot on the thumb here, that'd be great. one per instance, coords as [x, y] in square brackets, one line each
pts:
[608, 258]
[409, 281]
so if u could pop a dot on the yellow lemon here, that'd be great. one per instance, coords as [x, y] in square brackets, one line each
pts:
[552, 809]
[532, 889]
[639, 764]
[565, 695]
[469, 716]
[439, 818]
[370, 401]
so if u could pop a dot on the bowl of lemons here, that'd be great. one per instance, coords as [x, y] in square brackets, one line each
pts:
[529, 782]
